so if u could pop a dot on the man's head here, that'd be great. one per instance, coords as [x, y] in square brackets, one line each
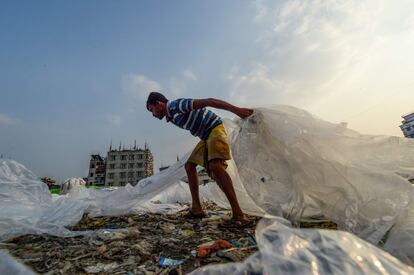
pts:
[156, 104]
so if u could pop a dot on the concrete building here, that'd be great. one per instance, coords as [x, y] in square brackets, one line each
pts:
[128, 165]
[97, 168]
[407, 125]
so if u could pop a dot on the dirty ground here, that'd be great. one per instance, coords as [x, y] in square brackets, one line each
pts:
[140, 244]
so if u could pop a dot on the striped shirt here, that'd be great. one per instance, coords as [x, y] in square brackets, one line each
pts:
[199, 122]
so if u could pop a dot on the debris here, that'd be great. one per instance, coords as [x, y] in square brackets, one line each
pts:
[112, 235]
[244, 242]
[205, 250]
[166, 262]
[186, 232]
[133, 244]
[101, 268]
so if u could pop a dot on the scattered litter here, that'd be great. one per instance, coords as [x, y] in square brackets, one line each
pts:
[167, 262]
[205, 250]
[142, 244]
[133, 244]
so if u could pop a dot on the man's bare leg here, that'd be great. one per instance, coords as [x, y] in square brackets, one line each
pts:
[191, 170]
[224, 181]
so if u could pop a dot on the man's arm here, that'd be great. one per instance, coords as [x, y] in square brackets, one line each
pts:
[221, 104]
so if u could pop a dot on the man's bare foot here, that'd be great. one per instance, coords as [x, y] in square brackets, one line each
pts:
[242, 218]
[237, 222]
[192, 214]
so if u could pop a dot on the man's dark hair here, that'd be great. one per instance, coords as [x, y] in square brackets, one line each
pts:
[153, 97]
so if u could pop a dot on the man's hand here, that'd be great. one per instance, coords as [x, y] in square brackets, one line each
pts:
[244, 112]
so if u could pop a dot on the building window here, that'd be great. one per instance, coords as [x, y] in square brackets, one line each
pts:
[112, 166]
[123, 157]
[140, 174]
[123, 165]
[130, 165]
[110, 183]
[122, 175]
[112, 157]
[140, 165]
[140, 157]
[111, 175]
[131, 157]
[92, 166]
[122, 183]
[130, 175]
[91, 175]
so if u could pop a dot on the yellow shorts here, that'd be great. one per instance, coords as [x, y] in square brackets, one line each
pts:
[217, 147]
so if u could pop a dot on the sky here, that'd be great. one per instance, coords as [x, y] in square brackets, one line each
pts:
[74, 75]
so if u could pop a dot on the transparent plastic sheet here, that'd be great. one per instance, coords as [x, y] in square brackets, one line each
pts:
[71, 183]
[400, 239]
[286, 250]
[27, 206]
[9, 265]
[293, 162]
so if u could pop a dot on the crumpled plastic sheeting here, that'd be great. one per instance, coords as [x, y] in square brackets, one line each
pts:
[286, 250]
[71, 183]
[27, 207]
[400, 239]
[291, 161]
[9, 265]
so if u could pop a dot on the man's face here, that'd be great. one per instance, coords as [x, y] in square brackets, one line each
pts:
[157, 110]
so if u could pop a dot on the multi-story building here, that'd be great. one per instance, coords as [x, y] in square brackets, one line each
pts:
[128, 165]
[97, 168]
[407, 125]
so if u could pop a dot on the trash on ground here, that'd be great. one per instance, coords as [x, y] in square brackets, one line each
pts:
[139, 244]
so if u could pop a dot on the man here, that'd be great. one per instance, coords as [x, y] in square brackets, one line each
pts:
[211, 152]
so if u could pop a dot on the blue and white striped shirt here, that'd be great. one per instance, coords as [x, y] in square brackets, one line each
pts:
[199, 122]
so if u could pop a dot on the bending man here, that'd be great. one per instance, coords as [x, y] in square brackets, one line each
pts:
[213, 149]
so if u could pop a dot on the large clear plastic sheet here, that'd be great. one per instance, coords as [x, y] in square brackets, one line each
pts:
[9, 265]
[291, 161]
[286, 163]
[287, 250]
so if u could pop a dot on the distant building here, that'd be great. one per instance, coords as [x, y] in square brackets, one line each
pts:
[97, 170]
[128, 165]
[407, 125]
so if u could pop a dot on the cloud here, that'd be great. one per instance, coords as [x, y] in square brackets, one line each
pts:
[308, 45]
[7, 120]
[256, 86]
[113, 119]
[138, 86]
[180, 85]
[189, 75]
[335, 58]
